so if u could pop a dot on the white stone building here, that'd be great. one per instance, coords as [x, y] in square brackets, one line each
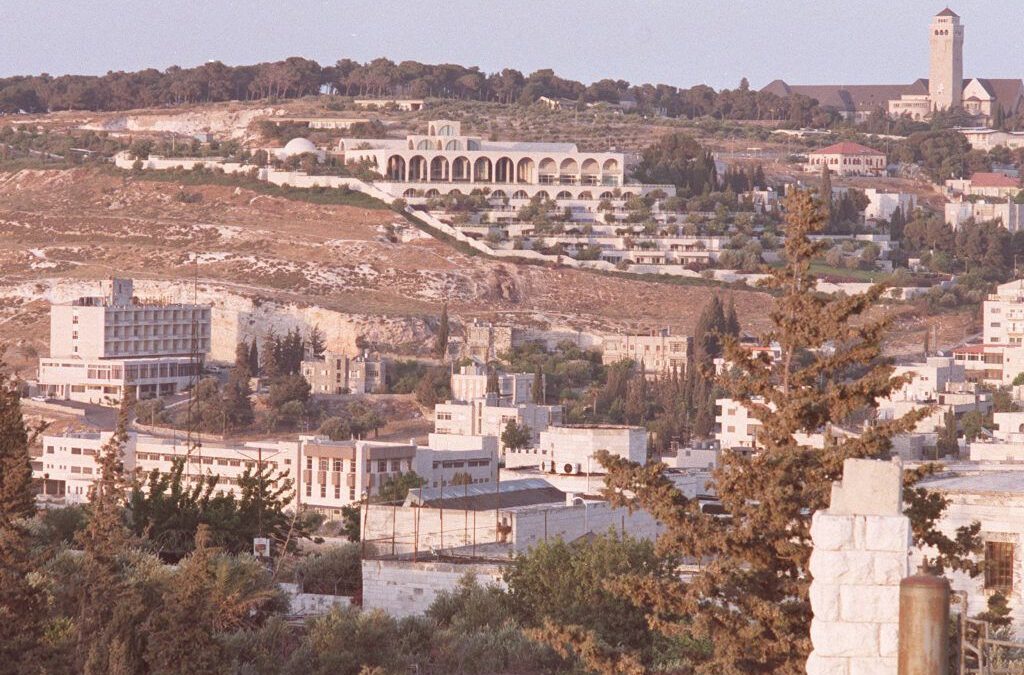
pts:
[847, 159]
[660, 353]
[1008, 213]
[985, 184]
[488, 417]
[339, 374]
[470, 383]
[445, 160]
[103, 346]
[572, 449]
[69, 463]
[882, 203]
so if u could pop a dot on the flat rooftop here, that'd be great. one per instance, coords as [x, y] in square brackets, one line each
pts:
[1002, 481]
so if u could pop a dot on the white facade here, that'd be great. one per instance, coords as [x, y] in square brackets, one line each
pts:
[444, 160]
[660, 354]
[338, 374]
[571, 449]
[1009, 214]
[100, 346]
[470, 383]
[69, 464]
[735, 427]
[882, 204]
[486, 417]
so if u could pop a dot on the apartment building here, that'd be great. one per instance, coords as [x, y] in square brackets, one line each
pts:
[104, 346]
[337, 373]
[470, 383]
[69, 463]
[572, 449]
[487, 416]
[659, 354]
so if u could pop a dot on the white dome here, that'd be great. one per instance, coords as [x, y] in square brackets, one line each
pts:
[298, 146]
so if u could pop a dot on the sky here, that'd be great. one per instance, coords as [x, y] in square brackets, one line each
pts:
[677, 42]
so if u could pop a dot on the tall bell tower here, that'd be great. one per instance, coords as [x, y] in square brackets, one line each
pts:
[946, 73]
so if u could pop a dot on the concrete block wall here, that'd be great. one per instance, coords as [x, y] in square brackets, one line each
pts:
[570, 523]
[403, 588]
[857, 564]
[420, 529]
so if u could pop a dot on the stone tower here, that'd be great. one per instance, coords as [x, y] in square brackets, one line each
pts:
[946, 74]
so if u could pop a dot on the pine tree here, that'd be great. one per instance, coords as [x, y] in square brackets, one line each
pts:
[182, 637]
[750, 604]
[493, 384]
[946, 445]
[21, 604]
[441, 341]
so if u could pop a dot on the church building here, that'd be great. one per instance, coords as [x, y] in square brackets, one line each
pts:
[985, 98]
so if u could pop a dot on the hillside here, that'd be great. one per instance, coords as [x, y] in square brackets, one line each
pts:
[83, 224]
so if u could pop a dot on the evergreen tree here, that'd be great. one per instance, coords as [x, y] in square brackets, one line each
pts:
[21, 604]
[182, 637]
[441, 341]
[538, 387]
[106, 628]
[254, 358]
[270, 365]
[731, 324]
[946, 445]
[316, 343]
[825, 193]
[750, 605]
[242, 359]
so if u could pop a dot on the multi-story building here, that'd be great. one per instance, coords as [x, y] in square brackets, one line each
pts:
[69, 463]
[985, 184]
[487, 416]
[102, 347]
[487, 341]
[571, 449]
[1007, 212]
[340, 374]
[848, 159]
[882, 204]
[471, 383]
[326, 475]
[659, 354]
[445, 160]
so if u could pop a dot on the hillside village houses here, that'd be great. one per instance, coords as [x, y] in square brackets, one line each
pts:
[102, 347]
[985, 184]
[999, 358]
[470, 382]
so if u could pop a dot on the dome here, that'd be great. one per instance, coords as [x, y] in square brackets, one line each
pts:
[298, 146]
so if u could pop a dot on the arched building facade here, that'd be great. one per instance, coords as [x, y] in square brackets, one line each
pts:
[445, 160]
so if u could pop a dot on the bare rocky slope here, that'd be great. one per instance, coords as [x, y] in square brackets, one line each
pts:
[267, 262]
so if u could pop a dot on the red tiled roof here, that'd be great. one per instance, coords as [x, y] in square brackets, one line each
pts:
[847, 148]
[986, 179]
[978, 348]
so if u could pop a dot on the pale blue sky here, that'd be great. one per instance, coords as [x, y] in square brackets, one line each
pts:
[682, 42]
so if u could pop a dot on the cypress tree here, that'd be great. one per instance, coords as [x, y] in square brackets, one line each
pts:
[270, 365]
[538, 387]
[21, 604]
[750, 605]
[106, 626]
[441, 341]
[254, 358]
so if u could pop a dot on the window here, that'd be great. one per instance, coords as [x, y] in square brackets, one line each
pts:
[323, 490]
[351, 494]
[309, 490]
[999, 565]
[337, 492]
[382, 466]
